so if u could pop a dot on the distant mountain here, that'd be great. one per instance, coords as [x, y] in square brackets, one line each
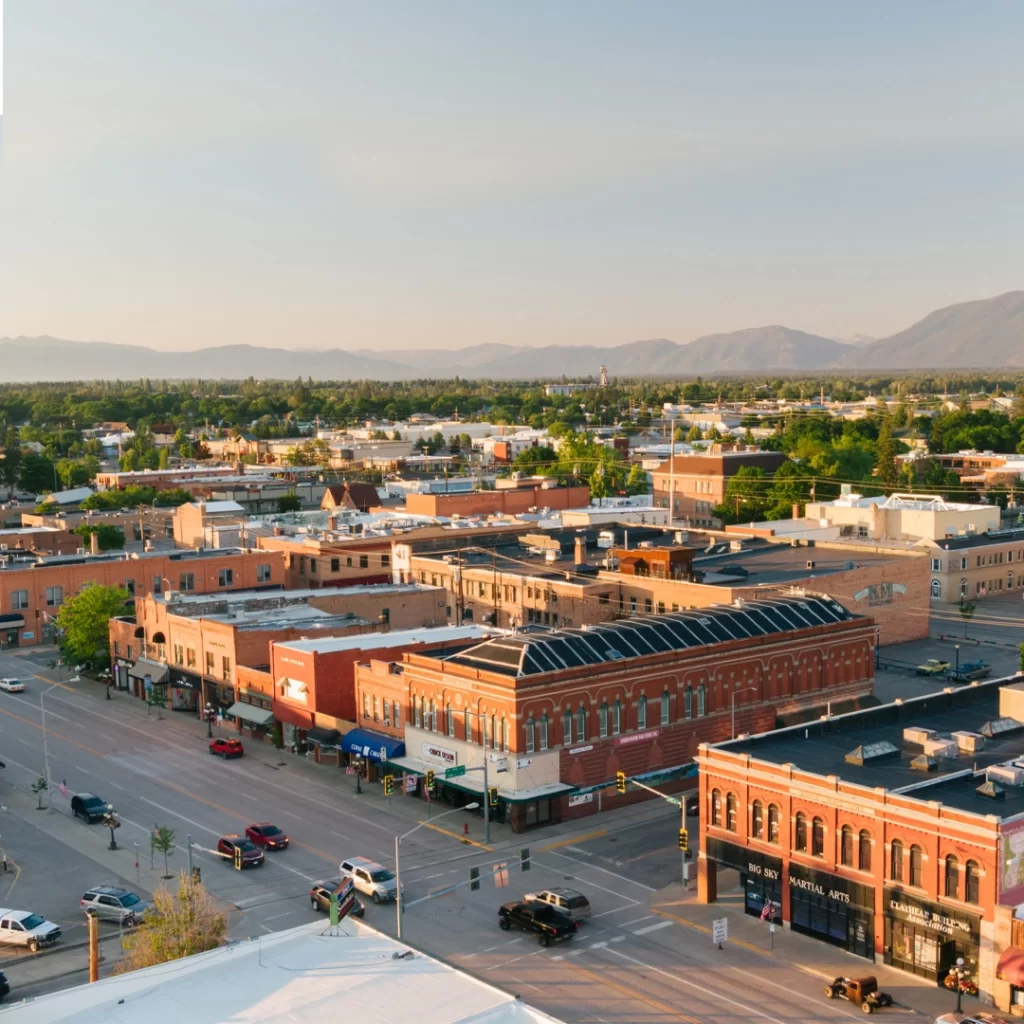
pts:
[984, 333]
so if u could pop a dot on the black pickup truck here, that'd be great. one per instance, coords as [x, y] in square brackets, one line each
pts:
[546, 922]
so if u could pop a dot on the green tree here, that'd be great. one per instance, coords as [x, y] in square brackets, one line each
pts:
[637, 481]
[886, 470]
[11, 469]
[163, 458]
[174, 928]
[289, 502]
[110, 537]
[37, 474]
[694, 434]
[598, 484]
[539, 461]
[162, 841]
[746, 496]
[39, 787]
[82, 624]
[130, 461]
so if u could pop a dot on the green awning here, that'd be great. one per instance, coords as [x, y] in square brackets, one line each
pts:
[250, 713]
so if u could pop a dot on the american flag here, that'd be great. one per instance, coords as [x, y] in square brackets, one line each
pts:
[767, 911]
[63, 789]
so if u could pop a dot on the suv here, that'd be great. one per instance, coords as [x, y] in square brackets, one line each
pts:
[20, 928]
[574, 905]
[226, 748]
[252, 855]
[370, 878]
[546, 922]
[112, 903]
[88, 806]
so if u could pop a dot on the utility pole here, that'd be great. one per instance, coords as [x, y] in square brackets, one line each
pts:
[671, 470]
[94, 949]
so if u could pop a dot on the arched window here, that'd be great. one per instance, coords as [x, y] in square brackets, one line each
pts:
[494, 732]
[504, 734]
[688, 703]
[417, 708]
[864, 853]
[701, 706]
[846, 847]
[972, 882]
[665, 708]
[581, 725]
[531, 736]
[773, 823]
[896, 861]
[716, 807]
[936, 588]
[641, 713]
[800, 841]
[952, 878]
[817, 838]
[567, 727]
[468, 716]
[616, 718]
[1009, 580]
[449, 720]
[916, 867]
[730, 812]
[432, 720]
[757, 820]
[543, 744]
[602, 721]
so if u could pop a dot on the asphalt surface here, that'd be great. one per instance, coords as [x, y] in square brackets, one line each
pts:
[630, 963]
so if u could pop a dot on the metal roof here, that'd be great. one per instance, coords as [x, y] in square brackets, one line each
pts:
[536, 653]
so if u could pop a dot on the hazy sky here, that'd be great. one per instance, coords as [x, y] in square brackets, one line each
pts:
[403, 174]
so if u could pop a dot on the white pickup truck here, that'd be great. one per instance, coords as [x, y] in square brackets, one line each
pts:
[22, 928]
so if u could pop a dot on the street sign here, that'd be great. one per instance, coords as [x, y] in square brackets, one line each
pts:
[383, 754]
[500, 763]
[719, 930]
[455, 771]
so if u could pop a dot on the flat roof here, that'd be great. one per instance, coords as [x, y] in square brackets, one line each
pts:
[770, 564]
[302, 975]
[395, 638]
[295, 596]
[132, 558]
[821, 747]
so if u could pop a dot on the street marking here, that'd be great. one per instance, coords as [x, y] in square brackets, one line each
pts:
[794, 992]
[597, 945]
[53, 682]
[79, 768]
[51, 732]
[636, 920]
[455, 835]
[502, 945]
[617, 938]
[700, 988]
[707, 931]
[614, 874]
[116, 786]
[277, 917]
[653, 927]
[633, 994]
[574, 839]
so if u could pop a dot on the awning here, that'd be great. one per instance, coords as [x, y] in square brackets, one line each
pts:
[251, 713]
[473, 782]
[372, 745]
[11, 621]
[1011, 966]
[324, 737]
[156, 671]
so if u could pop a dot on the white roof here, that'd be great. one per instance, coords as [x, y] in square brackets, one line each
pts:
[397, 638]
[302, 976]
[221, 506]
[72, 497]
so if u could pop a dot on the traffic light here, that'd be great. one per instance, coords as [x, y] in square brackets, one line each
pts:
[389, 785]
[684, 840]
[492, 796]
[620, 781]
[474, 878]
[430, 779]
[238, 858]
[524, 859]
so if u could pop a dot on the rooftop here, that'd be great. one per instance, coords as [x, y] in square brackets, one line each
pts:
[879, 733]
[395, 638]
[254, 597]
[178, 555]
[302, 975]
[768, 564]
[536, 653]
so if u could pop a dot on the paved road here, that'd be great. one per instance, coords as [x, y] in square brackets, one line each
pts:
[630, 963]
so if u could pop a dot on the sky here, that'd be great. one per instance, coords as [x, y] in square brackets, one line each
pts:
[400, 174]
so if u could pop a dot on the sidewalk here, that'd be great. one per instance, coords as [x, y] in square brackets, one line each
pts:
[816, 959]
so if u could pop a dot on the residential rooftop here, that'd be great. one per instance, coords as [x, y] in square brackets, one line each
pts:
[888, 738]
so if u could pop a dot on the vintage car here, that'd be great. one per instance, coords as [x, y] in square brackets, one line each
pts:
[862, 991]
[933, 667]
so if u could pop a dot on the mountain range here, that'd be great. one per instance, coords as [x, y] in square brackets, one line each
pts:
[988, 333]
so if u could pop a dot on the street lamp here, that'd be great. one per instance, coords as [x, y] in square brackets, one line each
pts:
[210, 713]
[398, 870]
[111, 822]
[959, 974]
[956, 673]
[739, 689]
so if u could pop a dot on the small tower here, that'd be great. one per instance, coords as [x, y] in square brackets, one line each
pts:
[604, 376]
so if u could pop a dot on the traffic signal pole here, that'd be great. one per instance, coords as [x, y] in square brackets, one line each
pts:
[622, 781]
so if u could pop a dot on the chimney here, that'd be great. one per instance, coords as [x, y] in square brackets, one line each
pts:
[796, 509]
[581, 550]
[94, 543]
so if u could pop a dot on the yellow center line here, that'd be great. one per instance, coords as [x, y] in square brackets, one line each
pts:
[53, 682]
[661, 1007]
[455, 835]
[51, 732]
[574, 840]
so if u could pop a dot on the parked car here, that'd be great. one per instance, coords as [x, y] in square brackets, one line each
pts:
[933, 667]
[22, 928]
[970, 670]
[574, 905]
[226, 748]
[112, 903]
[88, 806]
[270, 837]
[252, 855]
[320, 897]
[862, 992]
[370, 878]
[544, 921]
[12, 686]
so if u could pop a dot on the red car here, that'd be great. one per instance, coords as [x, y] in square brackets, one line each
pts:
[270, 837]
[251, 856]
[226, 748]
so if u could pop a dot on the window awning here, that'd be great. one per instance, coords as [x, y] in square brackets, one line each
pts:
[1011, 966]
[11, 621]
[372, 744]
[156, 671]
[324, 737]
[251, 713]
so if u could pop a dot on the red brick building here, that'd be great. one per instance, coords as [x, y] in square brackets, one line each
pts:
[572, 707]
[895, 832]
[509, 501]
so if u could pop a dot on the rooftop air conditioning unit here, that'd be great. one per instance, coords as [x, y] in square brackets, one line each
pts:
[917, 734]
[1006, 774]
[968, 742]
[941, 748]
[811, 563]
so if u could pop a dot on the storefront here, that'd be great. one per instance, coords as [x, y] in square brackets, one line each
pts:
[249, 715]
[833, 909]
[10, 631]
[760, 874]
[147, 676]
[183, 690]
[926, 938]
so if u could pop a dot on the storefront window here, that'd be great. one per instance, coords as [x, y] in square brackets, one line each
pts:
[865, 850]
[952, 878]
[773, 823]
[971, 882]
[716, 807]
[916, 867]
[757, 820]
[730, 812]
[800, 842]
[896, 861]
[846, 847]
